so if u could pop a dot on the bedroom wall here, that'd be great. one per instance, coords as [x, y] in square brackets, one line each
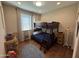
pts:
[10, 18]
[67, 18]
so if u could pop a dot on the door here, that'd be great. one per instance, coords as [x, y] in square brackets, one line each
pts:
[2, 34]
[76, 43]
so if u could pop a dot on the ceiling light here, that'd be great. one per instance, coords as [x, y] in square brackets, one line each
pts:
[38, 3]
[58, 3]
[19, 3]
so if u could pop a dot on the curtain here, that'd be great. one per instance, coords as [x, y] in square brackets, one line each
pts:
[20, 36]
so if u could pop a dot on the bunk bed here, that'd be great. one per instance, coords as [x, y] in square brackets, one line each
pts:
[45, 39]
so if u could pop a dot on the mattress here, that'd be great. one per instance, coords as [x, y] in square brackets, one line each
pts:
[41, 36]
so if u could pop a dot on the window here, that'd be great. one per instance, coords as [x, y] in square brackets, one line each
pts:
[25, 22]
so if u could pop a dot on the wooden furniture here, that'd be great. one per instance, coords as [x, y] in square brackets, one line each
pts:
[60, 38]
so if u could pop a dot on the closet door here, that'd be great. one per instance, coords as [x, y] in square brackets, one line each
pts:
[76, 43]
[2, 34]
[76, 46]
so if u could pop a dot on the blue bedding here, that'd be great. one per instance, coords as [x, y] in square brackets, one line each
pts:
[44, 39]
[40, 37]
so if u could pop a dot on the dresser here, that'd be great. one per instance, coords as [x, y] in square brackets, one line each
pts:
[60, 38]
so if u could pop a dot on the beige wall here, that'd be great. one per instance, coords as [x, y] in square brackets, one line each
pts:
[10, 18]
[2, 34]
[67, 18]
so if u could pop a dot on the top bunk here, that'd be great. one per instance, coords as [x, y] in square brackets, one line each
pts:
[46, 25]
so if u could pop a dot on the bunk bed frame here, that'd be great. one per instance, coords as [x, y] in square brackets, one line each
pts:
[46, 40]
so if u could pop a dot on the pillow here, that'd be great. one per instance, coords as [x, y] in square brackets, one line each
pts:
[37, 32]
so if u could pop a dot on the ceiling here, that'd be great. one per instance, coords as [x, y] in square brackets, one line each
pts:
[46, 7]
